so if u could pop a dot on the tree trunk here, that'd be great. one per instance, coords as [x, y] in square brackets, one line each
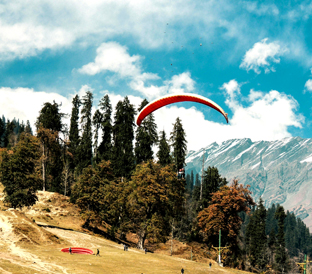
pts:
[172, 229]
[142, 237]
[66, 177]
[44, 168]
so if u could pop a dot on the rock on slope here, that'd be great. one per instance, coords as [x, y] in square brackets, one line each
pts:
[278, 171]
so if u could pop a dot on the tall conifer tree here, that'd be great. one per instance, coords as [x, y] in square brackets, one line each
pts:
[123, 135]
[256, 238]
[192, 179]
[74, 138]
[163, 153]
[85, 146]
[28, 128]
[281, 263]
[212, 182]
[178, 142]
[97, 123]
[146, 137]
[18, 175]
[2, 131]
[105, 147]
[128, 136]
[49, 124]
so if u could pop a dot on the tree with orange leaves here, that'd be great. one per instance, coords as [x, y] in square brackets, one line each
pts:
[223, 213]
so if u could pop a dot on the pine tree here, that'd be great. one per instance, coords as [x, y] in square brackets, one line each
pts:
[97, 123]
[18, 175]
[123, 135]
[85, 145]
[212, 182]
[50, 117]
[9, 134]
[291, 234]
[188, 183]
[117, 149]
[49, 124]
[163, 153]
[2, 131]
[192, 180]
[281, 260]
[178, 142]
[272, 245]
[271, 221]
[74, 138]
[105, 147]
[128, 136]
[146, 137]
[196, 190]
[28, 128]
[256, 238]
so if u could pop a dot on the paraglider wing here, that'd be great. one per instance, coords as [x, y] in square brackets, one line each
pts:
[175, 98]
[78, 250]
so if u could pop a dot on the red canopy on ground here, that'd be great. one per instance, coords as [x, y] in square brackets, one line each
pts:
[78, 250]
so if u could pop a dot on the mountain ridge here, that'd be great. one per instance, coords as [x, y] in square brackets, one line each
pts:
[278, 171]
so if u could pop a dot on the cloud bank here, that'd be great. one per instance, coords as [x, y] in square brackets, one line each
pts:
[265, 116]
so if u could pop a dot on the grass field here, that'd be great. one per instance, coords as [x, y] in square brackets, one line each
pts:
[26, 248]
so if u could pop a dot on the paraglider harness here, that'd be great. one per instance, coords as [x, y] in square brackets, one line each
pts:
[181, 173]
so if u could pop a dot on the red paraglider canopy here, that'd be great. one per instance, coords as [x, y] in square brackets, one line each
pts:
[78, 250]
[175, 98]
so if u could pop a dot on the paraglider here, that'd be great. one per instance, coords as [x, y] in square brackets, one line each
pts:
[175, 98]
[77, 250]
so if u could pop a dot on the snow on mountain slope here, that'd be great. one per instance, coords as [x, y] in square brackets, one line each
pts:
[278, 171]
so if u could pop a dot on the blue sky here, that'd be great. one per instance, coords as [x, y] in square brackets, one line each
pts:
[253, 58]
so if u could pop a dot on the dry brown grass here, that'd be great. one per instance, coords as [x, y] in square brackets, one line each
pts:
[26, 247]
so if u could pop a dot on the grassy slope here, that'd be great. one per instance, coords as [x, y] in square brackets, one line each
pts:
[27, 248]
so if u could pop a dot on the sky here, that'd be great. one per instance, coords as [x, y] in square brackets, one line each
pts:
[252, 58]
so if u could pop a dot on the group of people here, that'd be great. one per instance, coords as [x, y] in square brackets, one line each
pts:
[126, 249]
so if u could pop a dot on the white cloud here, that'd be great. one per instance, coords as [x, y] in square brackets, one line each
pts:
[308, 86]
[232, 91]
[29, 27]
[25, 104]
[266, 117]
[181, 83]
[24, 39]
[261, 55]
[115, 58]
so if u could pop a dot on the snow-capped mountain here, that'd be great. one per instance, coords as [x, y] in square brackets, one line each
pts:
[278, 171]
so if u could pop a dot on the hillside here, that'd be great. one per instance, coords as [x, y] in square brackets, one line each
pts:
[31, 240]
[278, 171]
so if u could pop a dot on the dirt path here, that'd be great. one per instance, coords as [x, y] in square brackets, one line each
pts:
[10, 252]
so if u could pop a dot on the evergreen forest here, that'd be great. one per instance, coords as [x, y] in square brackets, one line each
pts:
[128, 179]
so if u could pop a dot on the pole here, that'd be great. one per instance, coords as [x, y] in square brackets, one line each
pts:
[220, 246]
[191, 253]
[305, 265]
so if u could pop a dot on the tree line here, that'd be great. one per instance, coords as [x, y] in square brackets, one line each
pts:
[107, 166]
